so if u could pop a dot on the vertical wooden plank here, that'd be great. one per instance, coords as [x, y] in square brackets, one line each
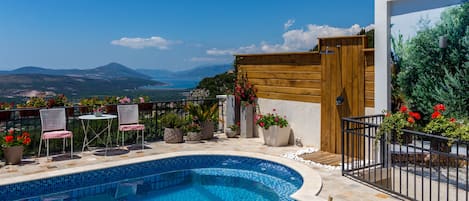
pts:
[325, 100]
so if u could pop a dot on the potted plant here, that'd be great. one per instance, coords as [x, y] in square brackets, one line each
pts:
[394, 123]
[110, 103]
[61, 100]
[205, 116]
[245, 93]
[193, 132]
[144, 103]
[275, 129]
[13, 146]
[87, 105]
[5, 112]
[441, 125]
[30, 108]
[172, 125]
[232, 130]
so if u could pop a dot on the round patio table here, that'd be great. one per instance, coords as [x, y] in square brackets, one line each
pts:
[87, 129]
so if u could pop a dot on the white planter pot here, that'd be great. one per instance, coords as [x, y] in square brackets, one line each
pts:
[247, 121]
[276, 136]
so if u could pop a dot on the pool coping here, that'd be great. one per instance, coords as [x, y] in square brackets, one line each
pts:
[312, 182]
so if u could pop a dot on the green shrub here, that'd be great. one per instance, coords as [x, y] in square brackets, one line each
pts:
[431, 75]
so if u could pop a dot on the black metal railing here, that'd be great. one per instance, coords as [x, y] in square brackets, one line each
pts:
[418, 166]
[149, 113]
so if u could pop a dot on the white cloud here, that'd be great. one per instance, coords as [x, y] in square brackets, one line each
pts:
[294, 40]
[241, 50]
[139, 43]
[203, 59]
[288, 24]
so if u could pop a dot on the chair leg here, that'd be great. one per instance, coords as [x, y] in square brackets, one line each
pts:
[47, 148]
[40, 146]
[143, 140]
[63, 145]
[71, 147]
[123, 138]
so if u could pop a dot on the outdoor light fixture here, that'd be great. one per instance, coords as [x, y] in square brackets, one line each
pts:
[339, 100]
[443, 42]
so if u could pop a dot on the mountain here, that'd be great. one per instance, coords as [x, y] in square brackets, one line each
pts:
[109, 71]
[196, 73]
[20, 84]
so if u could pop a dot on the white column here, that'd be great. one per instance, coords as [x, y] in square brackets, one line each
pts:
[382, 55]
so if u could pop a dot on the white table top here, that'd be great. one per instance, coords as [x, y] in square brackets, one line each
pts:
[93, 117]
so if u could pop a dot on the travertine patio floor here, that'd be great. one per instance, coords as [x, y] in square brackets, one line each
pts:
[340, 188]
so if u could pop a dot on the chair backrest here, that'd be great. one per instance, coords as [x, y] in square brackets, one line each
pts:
[53, 119]
[127, 114]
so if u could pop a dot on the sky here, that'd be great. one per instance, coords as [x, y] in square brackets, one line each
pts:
[167, 34]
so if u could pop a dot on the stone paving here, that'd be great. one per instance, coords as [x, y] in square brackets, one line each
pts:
[334, 185]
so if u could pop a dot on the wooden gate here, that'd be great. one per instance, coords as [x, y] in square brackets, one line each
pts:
[343, 86]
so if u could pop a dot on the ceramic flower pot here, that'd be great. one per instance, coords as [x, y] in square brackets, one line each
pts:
[193, 137]
[13, 155]
[173, 135]
[276, 136]
[247, 121]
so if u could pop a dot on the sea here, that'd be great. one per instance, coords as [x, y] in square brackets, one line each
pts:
[176, 84]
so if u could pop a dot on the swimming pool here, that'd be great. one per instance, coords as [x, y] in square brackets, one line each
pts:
[193, 177]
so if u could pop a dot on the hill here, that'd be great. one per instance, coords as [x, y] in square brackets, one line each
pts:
[197, 73]
[109, 71]
[21, 84]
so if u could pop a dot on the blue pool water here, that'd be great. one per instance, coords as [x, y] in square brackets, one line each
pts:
[195, 178]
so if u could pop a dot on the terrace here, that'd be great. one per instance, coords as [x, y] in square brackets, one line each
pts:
[329, 97]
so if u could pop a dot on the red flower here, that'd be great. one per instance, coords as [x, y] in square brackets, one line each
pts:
[11, 131]
[26, 141]
[9, 138]
[415, 115]
[276, 119]
[274, 110]
[452, 120]
[439, 107]
[436, 114]
[411, 120]
[262, 124]
[403, 109]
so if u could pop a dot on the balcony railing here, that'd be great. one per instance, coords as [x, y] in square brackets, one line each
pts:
[149, 113]
[418, 167]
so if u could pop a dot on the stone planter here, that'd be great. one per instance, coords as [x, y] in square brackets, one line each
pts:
[84, 109]
[70, 111]
[247, 121]
[13, 155]
[193, 137]
[405, 138]
[173, 135]
[111, 109]
[276, 136]
[440, 145]
[5, 115]
[230, 133]
[29, 112]
[207, 128]
[145, 106]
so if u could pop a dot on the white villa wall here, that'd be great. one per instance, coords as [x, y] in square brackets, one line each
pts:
[304, 118]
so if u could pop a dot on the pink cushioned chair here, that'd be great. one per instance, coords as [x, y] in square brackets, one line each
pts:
[128, 121]
[54, 126]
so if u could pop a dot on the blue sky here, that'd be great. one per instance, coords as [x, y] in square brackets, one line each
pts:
[166, 34]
